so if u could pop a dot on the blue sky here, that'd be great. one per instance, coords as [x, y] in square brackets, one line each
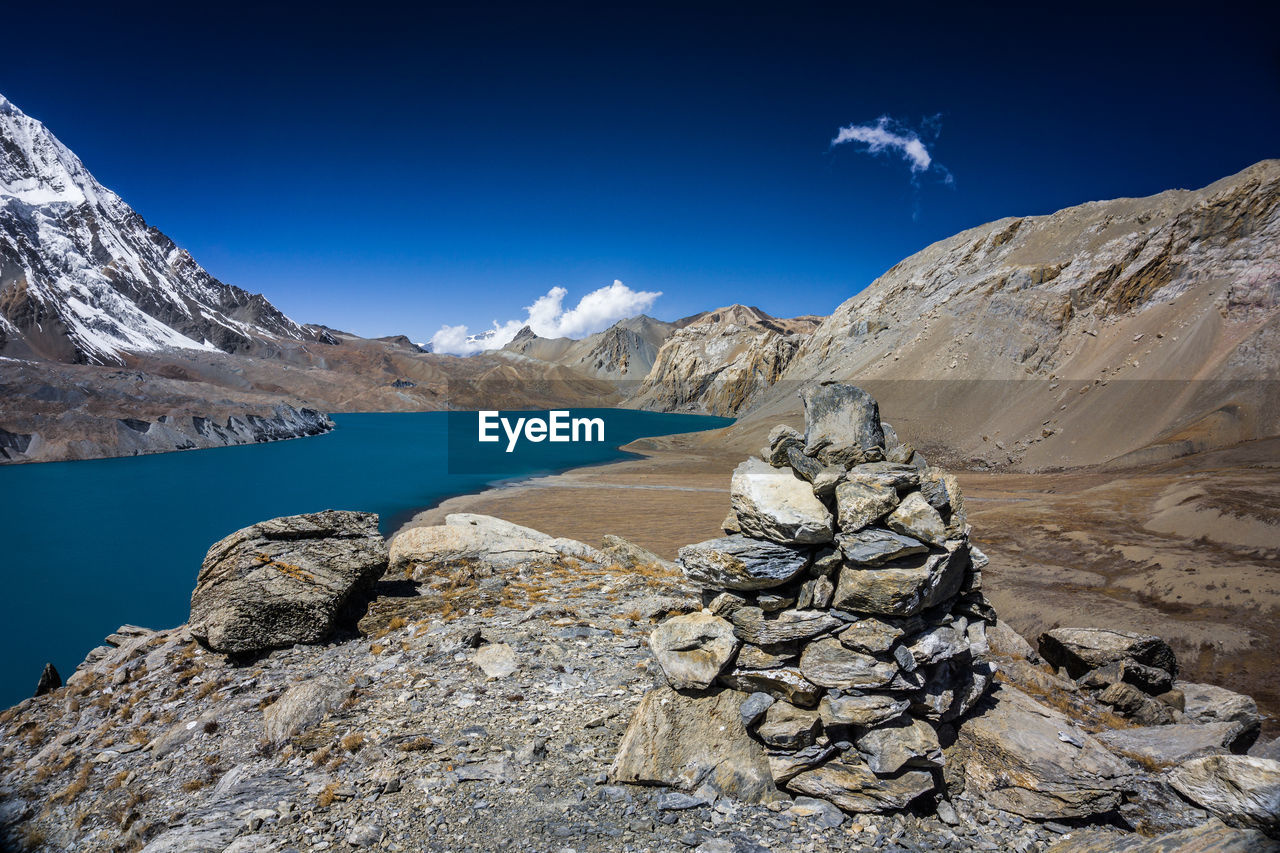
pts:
[391, 169]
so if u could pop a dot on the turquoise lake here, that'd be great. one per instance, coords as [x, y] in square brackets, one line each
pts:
[89, 546]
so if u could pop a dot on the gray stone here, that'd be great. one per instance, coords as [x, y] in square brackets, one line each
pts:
[1083, 649]
[302, 706]
[1010, 755]
[774, 504]
[1148, 679]
[825, 814]
[1212, 836]
[806, 467]
[873, 546]
[694, 743]
[854, 788]
[781, 439]
[1167, 745]
[787, 727]
[630, 555]
[772, 602]
[842, 424]
[751, 656]
[861, 709]
[498, 660]
[951, 688]
[750, 624]
[938, 644]
[827, 663]
[694, 649]
[788, 764]
[284, 581]
[364, 834]
[871, 635]
[740, 563]
[902, 587]
[914, 517]
[1208, 703]
[859, 504]
[1241, 790]
[889, 747]
[784, 682]
[754, 707]
[890, 475]
[1132, 702]
[826, 481]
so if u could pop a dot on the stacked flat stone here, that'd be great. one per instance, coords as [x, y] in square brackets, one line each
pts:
[844, 602]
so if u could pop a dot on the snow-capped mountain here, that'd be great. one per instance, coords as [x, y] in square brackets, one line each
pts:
[84, 279]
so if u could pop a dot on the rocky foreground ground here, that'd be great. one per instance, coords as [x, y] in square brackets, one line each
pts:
[483, 686]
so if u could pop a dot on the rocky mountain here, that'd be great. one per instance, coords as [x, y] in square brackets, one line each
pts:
[624, 351]
[1129, 330]
[719, 361]
[84, 279]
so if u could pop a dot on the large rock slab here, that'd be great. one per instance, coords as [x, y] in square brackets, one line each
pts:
[842, 424]
[859, 708]
[1241, 790]
[1083, 649]
[694, 649]
[302, 706]
[740, 563]
[1208, 703]
[284, 581]
[750, 624]
[774, 504]
[480, 542]
[1167, 745]
[1011, 754]
[1212, 836]
[502, 528]
[902, 587]
[855, 788]
[785, 682]
[694, 743]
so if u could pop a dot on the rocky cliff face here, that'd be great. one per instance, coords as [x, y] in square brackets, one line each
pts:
[1074, 338]
[84, 279]
[721, 361]
[624, 351]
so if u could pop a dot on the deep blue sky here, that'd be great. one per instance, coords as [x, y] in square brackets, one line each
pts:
[387, 171]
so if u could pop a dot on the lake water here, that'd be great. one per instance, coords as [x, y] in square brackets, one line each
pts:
[88, 546]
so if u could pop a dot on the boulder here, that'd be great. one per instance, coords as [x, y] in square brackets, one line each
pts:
[496, 660]
[1132, 702]
[774, 504]
[859, 504]
[914, 518]
[782, 439]
[890, 475]
[1241, 790]
[874, 546]
[302, 706]
[284, 581]
[1083, 649]
[1148, 679]
[1005, 642]
[739, 563]
[827, 663]
[787, 727]
[753, 708]
[502, 528]
[1167, 745]
[901, 587]
[1208, 703]
[890, 747]
[839, 708]
[842, 424]
[693, 649]
[1021, 756]
[855, 788]
[786, 765]
[750, 624]
[694, 743]
[615, 549]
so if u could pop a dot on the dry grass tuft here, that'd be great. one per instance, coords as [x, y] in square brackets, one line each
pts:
[327, 796]
[352, 742]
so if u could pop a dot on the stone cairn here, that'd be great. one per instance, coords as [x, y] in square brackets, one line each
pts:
[840, 640]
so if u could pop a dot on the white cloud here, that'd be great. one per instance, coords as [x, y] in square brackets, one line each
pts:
[548, 318]
[885, 135]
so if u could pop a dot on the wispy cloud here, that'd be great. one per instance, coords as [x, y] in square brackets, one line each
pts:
[548, 318]
[886, 135]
